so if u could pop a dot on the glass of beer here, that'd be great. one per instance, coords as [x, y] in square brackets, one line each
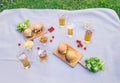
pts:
[23, 58]
[88, 36]
[70, 28]
[42, 55]
[62, 21]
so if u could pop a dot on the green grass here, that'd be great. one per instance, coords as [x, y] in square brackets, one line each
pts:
[61, 4]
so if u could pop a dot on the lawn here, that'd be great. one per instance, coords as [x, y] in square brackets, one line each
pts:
[60, 4]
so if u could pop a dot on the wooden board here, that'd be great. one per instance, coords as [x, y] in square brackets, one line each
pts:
[62, 57]
[35, 35]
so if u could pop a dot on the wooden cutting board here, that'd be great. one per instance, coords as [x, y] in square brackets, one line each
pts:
[62, 57]
[35, 35]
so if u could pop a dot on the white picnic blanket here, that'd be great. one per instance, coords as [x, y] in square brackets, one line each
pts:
[105, 45]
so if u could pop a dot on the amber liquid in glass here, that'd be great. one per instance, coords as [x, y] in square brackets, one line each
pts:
[61, 22]
[70, 32]
[23, 58]
[88, 36]
[25, 63]
[43, 58]
[42, 55]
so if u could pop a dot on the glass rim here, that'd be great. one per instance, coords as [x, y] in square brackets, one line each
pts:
[21, 57]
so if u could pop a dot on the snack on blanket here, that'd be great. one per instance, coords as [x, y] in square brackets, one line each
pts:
[23, 25]
[27, 33]
[62, 49]
[28, 45]
[70, 56]
[67, 54]
[31, 27]
[43, 39]
[94, 64]
[37, 28]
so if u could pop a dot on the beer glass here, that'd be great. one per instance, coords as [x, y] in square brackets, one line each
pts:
[42, 55]
[23, 58]
[88, 35]
[62, 21]
[70, 29]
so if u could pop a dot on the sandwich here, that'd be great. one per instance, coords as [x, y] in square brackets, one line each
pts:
[70, 56]
[38, 27]
[31, 27]
[63, 49]
[27, 33]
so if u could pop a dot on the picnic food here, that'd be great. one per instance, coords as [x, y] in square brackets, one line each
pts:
[51, 29]
[23, 25]
[79, 43]
[28, 45]
[19, 44]
[70, 56]
[37, 28]
[27, 33]
[53, 36]
[31, 27]
[38, 48]
[31, 32]
[51, 41]
[43, 39]
[84, 48]
[62, 49]
[94, 64]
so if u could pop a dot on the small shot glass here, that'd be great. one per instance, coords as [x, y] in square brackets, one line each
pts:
[24, 60]
[42, 55]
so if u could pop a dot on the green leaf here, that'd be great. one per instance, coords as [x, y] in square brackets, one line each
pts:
[23, 25]
[94, 64]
